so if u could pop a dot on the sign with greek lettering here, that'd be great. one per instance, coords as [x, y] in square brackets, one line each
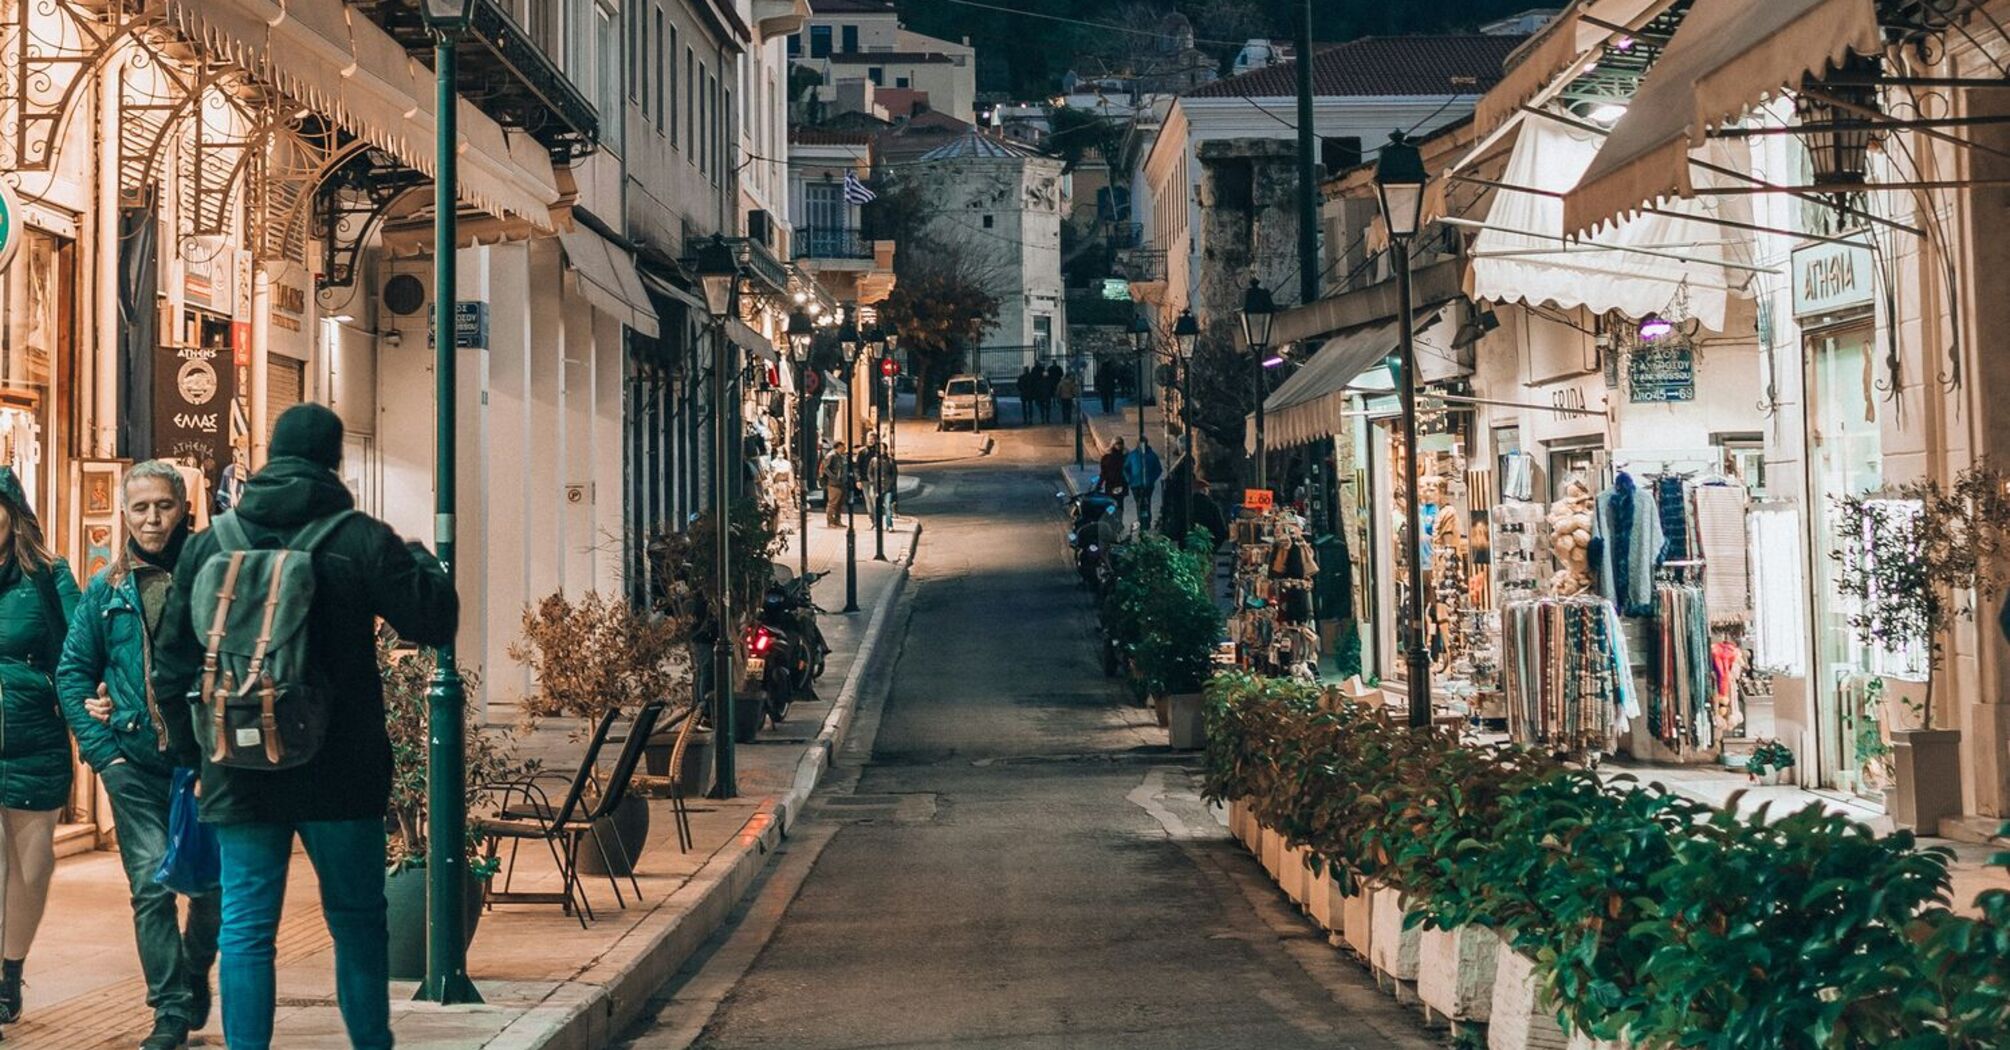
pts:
[471, 325]
[10, 224]
[1832, 278]
[194, 387]
[1661, 372]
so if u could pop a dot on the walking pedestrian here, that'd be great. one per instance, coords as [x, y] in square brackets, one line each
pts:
[37, 596]
[836, 478]
[885, 481]
[1066, 391]
[1141, 473]
[1029, 392]
[112, 709]
[335, 799]
[1110, 475]
[1053, 384]
[1106, 386]
[1043, 394]
[861, 467]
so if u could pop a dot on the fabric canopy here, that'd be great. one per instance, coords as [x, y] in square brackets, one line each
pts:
[328, 55]
[1565, 41]
[751, 341]
[1727, 56]
[1522, 256]
[1308, 406]
[608, 279]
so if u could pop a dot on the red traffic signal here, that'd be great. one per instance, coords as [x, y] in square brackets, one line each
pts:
[889, 367]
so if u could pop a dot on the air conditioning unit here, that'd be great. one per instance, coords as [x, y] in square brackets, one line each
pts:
[761, 228]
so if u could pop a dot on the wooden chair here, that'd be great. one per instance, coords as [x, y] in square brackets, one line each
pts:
[531, 817]
[680, 813]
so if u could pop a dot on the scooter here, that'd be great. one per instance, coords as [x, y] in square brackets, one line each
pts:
[1091, 559]
[785, 654]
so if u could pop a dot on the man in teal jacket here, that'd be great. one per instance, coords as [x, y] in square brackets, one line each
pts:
[109, 703]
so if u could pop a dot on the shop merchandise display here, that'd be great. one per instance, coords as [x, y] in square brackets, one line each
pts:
[1570, 530]
[1272, 625]
[1720, 532]
[1565, 673]
[1631, 540]
[1520, 529]
[1680, 712]
[1779, 620]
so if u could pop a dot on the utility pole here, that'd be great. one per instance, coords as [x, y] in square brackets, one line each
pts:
[1308, 191]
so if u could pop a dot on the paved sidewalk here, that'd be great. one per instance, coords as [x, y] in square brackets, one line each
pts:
[547, 982]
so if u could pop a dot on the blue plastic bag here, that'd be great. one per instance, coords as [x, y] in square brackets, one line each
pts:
[192, 866]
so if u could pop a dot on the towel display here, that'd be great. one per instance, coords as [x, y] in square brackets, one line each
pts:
[1720, 527]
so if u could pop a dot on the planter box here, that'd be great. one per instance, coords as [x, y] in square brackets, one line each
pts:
[1252, 834]
[1273, 851]
[1237, 812]
[1357, 920]
[1515, 1021]
[1295, 876]
[1392, 949]
[1455, 972]
[1320, 899]
[1186, 728]
[1927, 764]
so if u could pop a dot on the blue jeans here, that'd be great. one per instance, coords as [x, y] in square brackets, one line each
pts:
[348, 859]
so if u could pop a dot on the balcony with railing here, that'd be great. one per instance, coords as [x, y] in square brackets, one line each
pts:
[832, 242]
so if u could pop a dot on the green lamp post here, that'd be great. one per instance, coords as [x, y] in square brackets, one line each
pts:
[1399, 183]
[447, 979]
[719, 278]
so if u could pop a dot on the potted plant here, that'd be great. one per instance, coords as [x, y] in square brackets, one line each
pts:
[490, 761]
[1171, 624]
[1770, 762]
[1913, 559]
[594, 655]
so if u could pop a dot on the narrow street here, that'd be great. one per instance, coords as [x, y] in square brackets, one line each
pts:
[1020, 863]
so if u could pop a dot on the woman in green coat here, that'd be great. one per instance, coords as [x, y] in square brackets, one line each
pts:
[37, 595]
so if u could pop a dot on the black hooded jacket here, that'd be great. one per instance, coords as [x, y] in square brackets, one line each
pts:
[362, 571]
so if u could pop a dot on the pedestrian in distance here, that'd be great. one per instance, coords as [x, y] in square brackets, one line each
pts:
[861, 467]
[1110, 475]
[264, 787]
[1053, 384]
[1043, 394]
[1141, 472]
[37, 596]
[835, 475]
[1106, 386]
[1066, 391]
[884, 482]
[1029, 392]
[117, 718]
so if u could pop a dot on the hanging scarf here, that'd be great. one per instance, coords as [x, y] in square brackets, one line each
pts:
[1619, 545]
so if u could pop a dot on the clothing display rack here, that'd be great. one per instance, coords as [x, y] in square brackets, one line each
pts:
[1565, 674]
[1680, 678]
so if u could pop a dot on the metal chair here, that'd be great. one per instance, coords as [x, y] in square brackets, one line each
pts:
[560, 828]
[615, 792]
[680, 813]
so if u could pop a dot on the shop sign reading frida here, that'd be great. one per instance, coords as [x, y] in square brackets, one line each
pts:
[1831, 277]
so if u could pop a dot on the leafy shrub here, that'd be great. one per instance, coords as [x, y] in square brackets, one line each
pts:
[1161, 612]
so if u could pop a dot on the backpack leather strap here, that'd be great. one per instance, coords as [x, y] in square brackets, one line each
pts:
[224, 596]
[264, 643]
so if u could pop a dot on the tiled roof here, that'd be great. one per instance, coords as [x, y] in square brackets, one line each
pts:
[803, 136]
[979, 145]
[1461, 64]
[875, 58]
[851, 7]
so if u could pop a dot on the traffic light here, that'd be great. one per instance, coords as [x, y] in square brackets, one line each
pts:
[889, 367]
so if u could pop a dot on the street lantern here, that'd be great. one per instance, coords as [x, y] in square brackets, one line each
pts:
[800, 331]
[1186, 332]
[448, 15]
[719, 277]
[1258, 311]
[1399, 181]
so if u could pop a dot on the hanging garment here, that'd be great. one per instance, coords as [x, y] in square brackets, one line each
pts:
[1779, 621]
[1720, 526]
[1674, 518]
[1629, 521]
[1333, 588]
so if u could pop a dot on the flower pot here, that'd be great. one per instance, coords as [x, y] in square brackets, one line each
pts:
[1927, 768]
[656, 753]
[699, 762]
[1188, 726]
[405, 914]
[1455, 971]
[1392, 949]
[1357, 925]
[622, 834]
[1162, 710]
[1515, 1019]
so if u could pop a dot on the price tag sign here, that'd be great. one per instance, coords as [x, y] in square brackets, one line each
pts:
[1258, 499]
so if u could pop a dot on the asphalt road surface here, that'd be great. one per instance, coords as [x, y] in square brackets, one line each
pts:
[1021, 862]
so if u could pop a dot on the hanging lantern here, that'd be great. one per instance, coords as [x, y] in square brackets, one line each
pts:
[1838, 137]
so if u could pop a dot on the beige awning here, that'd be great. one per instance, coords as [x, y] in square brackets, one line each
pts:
[607, 277]
[1727, 57]
[1568, 39]
[329, 56]
[751, 341]
[1308, 406]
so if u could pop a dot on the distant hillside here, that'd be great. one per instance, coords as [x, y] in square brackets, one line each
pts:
[1024, 56]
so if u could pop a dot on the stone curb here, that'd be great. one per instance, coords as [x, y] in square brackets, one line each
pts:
[583, 1015]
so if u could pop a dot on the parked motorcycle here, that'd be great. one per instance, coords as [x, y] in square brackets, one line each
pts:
[785, 653]
[1090, 537]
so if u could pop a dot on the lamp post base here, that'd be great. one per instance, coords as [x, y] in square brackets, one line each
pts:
[1418, 663]
[850, 570]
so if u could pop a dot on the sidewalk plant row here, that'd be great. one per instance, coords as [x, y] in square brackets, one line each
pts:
[1640, 917]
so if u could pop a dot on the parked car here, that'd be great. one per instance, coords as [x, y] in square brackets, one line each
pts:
[968, 399]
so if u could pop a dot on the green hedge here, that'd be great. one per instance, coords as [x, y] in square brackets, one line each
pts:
[1651, 917]
[1160, 613]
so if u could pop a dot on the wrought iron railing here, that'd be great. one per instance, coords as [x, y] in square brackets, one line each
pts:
[831, 242]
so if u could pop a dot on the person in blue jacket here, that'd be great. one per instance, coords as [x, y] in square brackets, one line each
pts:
[110, 705]
[37, 595]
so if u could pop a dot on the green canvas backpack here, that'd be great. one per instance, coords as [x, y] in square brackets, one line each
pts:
[262, 703]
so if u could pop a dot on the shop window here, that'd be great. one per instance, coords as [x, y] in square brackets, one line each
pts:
[901, 82]
[37, 331]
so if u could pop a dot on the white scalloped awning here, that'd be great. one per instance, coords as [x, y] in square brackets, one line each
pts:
[1727, 57]
[327, 55]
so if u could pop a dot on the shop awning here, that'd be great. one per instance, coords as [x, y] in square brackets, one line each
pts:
[1572, 37]
[329, 56]
[1635, 266]
[1308, 406]
[751, 341]
[608, 279]
[1727, 56]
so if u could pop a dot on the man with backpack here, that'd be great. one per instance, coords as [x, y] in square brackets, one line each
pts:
[270, 632]
[111, 707]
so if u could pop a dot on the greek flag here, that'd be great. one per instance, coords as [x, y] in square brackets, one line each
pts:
[855, 191]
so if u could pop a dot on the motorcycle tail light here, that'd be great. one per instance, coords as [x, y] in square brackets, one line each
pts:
[762, 641]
